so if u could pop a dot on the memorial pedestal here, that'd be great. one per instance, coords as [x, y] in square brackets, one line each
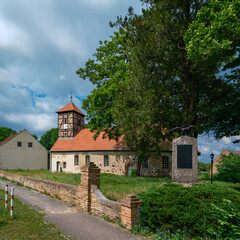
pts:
[184, 160]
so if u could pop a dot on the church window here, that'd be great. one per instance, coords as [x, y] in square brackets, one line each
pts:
[145, 162]
[165, 162]
[19, 144]
[106, 161]
[30, 144]
[76, 160]
[64, 164]
[87, 159]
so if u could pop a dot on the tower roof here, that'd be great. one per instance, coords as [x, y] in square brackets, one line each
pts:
[70, 107]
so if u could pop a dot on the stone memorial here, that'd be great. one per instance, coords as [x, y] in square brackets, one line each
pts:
[184, 160]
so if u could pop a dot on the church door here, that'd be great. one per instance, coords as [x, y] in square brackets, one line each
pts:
[58, 166]
[129, 169]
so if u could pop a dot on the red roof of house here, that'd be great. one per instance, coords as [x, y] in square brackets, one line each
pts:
[84, 141]
[70, 107]
[8, 139]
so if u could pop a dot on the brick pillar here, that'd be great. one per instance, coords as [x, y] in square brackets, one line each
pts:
[90, 175]
[130, 210]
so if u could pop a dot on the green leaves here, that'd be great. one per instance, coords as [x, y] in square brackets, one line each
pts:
[5, 133]
[49, 138]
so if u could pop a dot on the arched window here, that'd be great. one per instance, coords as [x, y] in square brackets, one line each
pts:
[87, 159]
[76, 162]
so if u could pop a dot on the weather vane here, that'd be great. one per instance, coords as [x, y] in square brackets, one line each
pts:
[71, 96]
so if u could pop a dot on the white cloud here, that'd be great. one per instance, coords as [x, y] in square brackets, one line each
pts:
[204, 149]
[14, 37]
[33, 122]
[226, 140]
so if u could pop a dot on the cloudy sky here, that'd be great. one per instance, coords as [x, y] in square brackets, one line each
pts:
[42, 44]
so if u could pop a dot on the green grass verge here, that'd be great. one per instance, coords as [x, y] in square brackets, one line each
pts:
[26, 223]
[112, 186]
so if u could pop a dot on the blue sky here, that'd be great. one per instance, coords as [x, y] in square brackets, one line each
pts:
[42, 44]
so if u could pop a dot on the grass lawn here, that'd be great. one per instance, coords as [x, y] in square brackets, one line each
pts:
[112, 186]
[26, 223]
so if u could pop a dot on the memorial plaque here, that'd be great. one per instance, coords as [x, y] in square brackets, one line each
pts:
[184, 156]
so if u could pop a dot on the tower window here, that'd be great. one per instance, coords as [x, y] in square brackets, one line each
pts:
[65, 120]
[65, 134]
[145, 162]
[165, 162]
[19, 144]
[87, 159]
[76, 160]
[106, 161]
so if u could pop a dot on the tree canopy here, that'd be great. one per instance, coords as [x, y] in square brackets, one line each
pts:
[49, 138]
[5, 132]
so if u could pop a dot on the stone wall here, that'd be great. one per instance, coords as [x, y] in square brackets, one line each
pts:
[87, 196]
[61, 191]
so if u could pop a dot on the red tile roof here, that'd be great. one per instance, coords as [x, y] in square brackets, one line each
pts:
[8, 139]
[84, 141]
[70, 107]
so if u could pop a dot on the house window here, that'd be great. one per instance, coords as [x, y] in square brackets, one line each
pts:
[106, 161]
[165, 162]
[29, 144]
[64, 164]
[76, 161]
[145, 162]
[87, 159]
[19, 144]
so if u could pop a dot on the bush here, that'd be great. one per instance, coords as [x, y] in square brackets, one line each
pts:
[173, 208]
[229, 168]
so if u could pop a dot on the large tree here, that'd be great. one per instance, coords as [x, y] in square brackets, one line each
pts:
[213, 39]
[145, 82]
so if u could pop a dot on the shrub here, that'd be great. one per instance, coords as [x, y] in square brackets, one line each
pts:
[174, 207]
[227, 219]
[229, 168]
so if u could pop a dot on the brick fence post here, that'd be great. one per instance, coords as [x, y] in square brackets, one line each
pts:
[90, 175]
[130, 210]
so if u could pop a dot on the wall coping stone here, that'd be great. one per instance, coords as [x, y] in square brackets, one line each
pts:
[64, 185]
[104, 200]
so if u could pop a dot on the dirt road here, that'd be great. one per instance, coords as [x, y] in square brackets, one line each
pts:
[74, 224]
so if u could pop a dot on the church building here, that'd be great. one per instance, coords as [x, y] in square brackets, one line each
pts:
[76, 147]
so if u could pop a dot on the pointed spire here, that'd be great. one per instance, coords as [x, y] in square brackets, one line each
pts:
[71, 96]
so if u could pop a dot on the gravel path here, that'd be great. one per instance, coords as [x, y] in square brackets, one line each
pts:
[74, 224]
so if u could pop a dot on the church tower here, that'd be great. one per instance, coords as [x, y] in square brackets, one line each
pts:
[70, 121]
